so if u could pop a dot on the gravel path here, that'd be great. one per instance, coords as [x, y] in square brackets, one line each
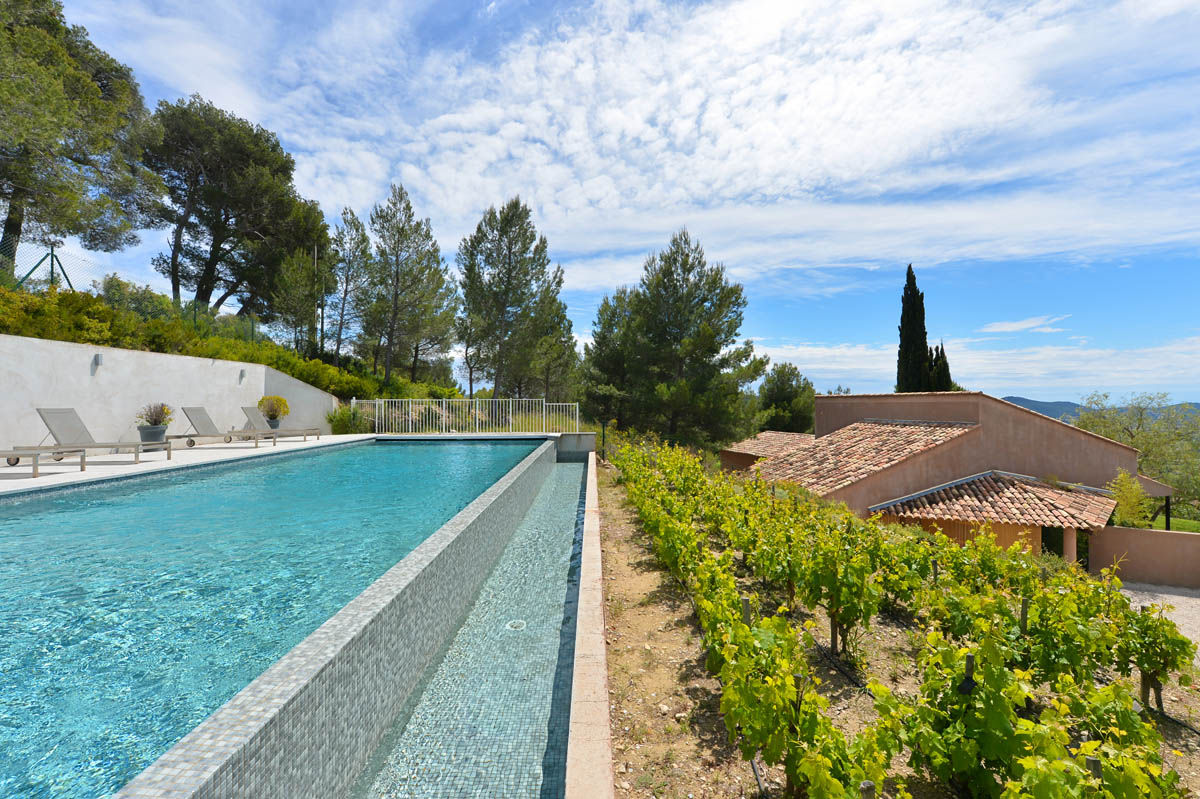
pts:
[1186, 601]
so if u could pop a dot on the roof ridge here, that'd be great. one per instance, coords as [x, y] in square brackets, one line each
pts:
[1056, 502]
[915, 422]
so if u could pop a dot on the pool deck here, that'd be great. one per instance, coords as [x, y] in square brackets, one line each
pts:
[589, 745]
[102, 467]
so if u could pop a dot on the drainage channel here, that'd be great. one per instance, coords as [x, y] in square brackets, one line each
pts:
[492, 717]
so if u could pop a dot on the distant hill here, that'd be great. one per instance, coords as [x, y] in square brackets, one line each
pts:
[1068, 411]
[1055, 410]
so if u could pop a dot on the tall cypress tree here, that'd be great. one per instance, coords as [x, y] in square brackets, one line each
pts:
[939, 371]
[913, 360]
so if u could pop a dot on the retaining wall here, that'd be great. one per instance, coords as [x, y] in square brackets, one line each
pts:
[307, 725]
[61, 374]
[1160, 557]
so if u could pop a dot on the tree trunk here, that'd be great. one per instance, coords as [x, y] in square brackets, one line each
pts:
[11, 238]
[216, 306]
[387, 355]
[207, 280]
[177, 249]
[341, 326]
[416, 359]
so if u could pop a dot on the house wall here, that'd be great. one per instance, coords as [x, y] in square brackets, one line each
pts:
[737, 461]
[959, 457]
[1160, 557]
[962, 532]
[59, 374]
[1009, 438]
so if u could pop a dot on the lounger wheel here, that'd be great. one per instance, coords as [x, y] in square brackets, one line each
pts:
[58, 456]
[12, 460]
[228, 439]
[191, 442]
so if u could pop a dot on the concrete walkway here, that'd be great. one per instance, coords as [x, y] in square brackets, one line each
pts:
[102, 467]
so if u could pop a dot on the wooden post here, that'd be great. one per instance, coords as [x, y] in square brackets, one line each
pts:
[1167, 511]
[1144, 687]
[968, 684]
[1024, 614]
[866, 789]
[935, 571]
[746, 611]
[1093, 766]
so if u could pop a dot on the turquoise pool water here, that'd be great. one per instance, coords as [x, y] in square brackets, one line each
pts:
[135, 609]
[493, 716]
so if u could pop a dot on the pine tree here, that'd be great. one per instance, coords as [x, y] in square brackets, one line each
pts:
[913, 360]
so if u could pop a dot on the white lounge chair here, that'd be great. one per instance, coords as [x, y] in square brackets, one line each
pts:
[70, 434]
[205, 428]
[13, 457]
[258, 424]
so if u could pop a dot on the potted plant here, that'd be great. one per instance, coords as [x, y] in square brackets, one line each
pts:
[154, 419]
[274, 408]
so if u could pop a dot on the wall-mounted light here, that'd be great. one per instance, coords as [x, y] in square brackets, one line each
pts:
[97, 359]
[241, 376]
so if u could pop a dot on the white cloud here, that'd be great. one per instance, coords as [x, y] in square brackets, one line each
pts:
[1067, 369]
[787, 136]
[1038, 324]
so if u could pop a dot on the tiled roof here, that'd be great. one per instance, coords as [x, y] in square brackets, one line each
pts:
[772, 443]
[849, 454]
[1008, 498]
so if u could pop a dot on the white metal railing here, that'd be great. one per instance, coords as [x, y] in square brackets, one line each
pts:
[432, 416]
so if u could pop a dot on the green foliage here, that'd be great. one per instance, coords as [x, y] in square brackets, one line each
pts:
[410, 290]
[666, 357]
[348, 420]
[351, 254]
[1166, 436]
[512, 323]
[128, 296]
[230, 204]
[273, 406]
[919, 367]
[912, 362]
[1002, 704]
[1133, 506]
[87, 319]
[73, 129]
[786, 399]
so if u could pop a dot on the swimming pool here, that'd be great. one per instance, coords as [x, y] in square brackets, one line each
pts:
[136, 608]
[493, 716]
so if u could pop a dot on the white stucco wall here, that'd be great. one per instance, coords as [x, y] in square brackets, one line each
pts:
[57, 374]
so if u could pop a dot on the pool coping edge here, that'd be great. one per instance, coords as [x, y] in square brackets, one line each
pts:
[589, 742]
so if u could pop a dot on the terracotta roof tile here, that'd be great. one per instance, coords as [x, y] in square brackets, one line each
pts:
[772, 443]
[1009, 499]
[849, 454]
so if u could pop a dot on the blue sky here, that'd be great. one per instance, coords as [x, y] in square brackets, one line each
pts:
[1038, 162]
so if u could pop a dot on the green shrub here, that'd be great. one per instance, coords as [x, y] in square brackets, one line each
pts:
[1133, 506]
[87, 319]
[348, 420]
[274, 406]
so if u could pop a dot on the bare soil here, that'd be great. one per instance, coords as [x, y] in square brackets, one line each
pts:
[669, 739]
